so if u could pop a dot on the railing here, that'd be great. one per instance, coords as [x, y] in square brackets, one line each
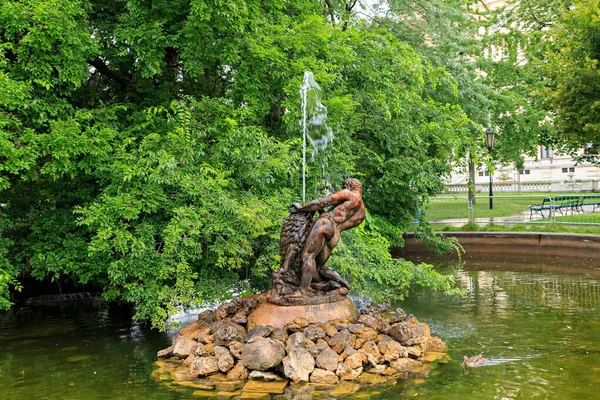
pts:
[573, 209]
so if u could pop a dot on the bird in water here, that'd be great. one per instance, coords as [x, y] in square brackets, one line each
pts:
[475, 361]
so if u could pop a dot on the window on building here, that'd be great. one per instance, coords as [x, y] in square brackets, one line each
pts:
[546, 153]
[527, 172]
[572, 169]
[480, 173]
[565, 170]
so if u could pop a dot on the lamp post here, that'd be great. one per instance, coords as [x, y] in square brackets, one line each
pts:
[489, 143]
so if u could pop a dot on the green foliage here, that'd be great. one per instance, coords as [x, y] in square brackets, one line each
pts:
[153, 148]
[364, 258]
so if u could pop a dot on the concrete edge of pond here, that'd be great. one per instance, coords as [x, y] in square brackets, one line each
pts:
[578, 246]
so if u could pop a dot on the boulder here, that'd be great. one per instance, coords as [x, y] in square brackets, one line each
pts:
[240, 318]
[327, 359]
[407, 333]
[368, 334]
[298, 364]
[368, 320]
[391, 349]
[226, 331]
[265, 376]
[435, 344]
[224, 358]
[188, 361]
[356, 360]
[207, 316]
[348, 351]
[323, 376]
[356, 328]
[404, 364]
[415, 351]
[279, 334]
[200, 350]
[203, 366]
[316, 349]
[195, 330]
[262, 354]
[313, 332]
[372, 349]
[338, 341]
[235, 348]
[164, 353]
[331, 331]
[346, 373]
[238, 372]
[259, 331]
[226, 309]
[296, 339]
[183, 347]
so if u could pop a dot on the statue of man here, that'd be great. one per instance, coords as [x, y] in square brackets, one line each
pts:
[348, 211]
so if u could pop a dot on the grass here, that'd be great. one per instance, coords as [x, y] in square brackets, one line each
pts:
[557, 228]
[505, 204]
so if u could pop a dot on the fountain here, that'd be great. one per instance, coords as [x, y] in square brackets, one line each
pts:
[314, 122]
[305, 329]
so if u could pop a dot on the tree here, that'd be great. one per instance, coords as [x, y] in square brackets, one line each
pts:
[152, 148]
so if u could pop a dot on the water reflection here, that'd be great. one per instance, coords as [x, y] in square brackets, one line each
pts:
[538, 331]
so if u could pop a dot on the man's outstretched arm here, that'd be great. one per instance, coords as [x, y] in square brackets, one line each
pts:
[331, 200]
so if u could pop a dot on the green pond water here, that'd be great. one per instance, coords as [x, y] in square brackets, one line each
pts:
[539, 331]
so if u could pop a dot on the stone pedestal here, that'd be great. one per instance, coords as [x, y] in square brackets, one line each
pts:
[279, 316]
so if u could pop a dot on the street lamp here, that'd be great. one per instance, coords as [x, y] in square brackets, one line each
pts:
[489, 143]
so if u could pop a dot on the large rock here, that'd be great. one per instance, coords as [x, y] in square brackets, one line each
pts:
[297, 339]
[164, 353]
[323, 376]
[372, 349]
[368, 334]
[224, 358]
[298, 364]
[328, 359]
[338, 341]
[195, 330]
[356, 360]
[280, 316]
[262, 354]
[391, 349]
[226, 331]
[435, 344]
[316, 349]
[348, 351]
[183, 346]
[238, 372]
[203, 366]
[313, 332]
[258, 331]
[407, 333]
[236, 348]
[346, 373]
[405, 364]
[227, 309]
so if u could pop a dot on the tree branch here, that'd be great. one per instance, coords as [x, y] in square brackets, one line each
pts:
[331, 10]
[124, 80]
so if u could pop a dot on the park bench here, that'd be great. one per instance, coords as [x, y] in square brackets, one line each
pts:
[566, 203]
[560, 204]
[547, 204]
[591, 200]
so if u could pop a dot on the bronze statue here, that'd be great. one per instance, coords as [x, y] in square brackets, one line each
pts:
[306, 246]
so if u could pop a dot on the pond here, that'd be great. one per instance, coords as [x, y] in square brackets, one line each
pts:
[539, 332]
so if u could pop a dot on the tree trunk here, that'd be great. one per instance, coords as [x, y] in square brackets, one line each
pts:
[471, 184]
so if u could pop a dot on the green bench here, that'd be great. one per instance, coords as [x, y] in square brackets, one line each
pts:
[547, 204]
[560, 204]
[591, 200]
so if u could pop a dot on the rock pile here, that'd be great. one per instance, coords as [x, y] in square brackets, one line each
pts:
[219, 348]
